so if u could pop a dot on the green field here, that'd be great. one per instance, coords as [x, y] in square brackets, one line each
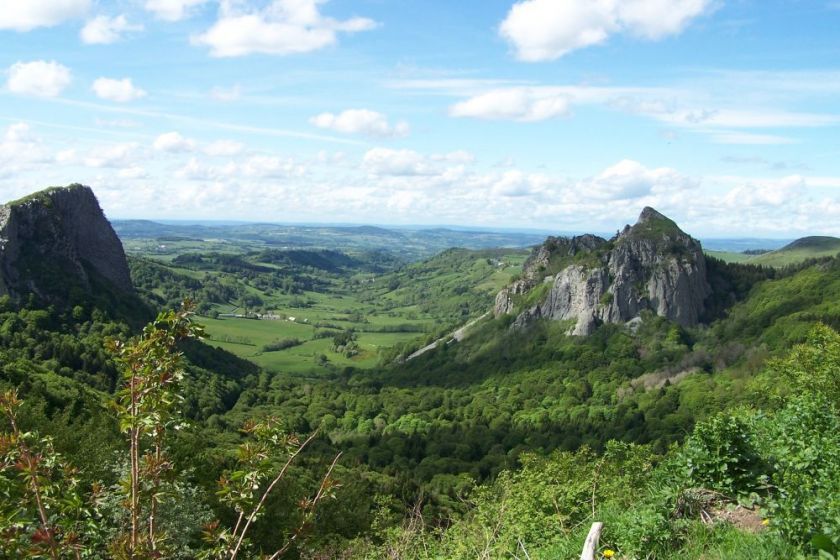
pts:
[246, 338]
[253, 299]
[729, 256]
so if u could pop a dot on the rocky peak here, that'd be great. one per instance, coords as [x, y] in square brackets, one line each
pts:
[58, 241]
[649, 214]
[652, 265]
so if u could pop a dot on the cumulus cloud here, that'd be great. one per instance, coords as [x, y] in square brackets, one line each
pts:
[224, 148]
[629, 179]
[361, 121]
[447, 188]
[518, 104]
[66, 156]
[25, 15]
[516, 183]
[19, 149]
[172, 10]
[266, 167]
[122, 155]
[255, 167]
[385, 161]
[173, 142]
[774, 193]
[121, 91]
[133, 172]
[195, 170]
[104, 30]
[282, 27]
[39, 78]
[547, 29]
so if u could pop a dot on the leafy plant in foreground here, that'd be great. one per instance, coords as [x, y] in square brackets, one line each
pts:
[42, 512]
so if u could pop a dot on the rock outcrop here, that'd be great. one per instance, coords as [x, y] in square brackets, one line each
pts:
[652, 265]
[538, 266]
[57, 241]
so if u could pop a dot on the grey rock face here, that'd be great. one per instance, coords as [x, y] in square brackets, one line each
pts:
[57, 238]
[650, 266]
[537, 267]
[504, 299]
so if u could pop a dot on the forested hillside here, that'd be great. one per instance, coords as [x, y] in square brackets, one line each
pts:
[712, 439]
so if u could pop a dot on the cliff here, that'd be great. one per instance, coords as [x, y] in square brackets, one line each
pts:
[652, 265]
[57, 243]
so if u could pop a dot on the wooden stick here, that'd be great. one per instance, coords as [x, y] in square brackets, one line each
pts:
[591, 544]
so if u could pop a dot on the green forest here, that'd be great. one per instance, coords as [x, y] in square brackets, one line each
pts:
[316, 438]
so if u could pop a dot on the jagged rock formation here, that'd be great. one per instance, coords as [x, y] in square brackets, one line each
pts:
[652, 265]
[536, 267]
[57, 241]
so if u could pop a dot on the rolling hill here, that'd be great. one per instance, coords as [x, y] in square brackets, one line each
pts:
[802, 249]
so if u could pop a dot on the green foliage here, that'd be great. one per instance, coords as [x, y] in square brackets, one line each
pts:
[281, 344]
[722, 454]
[146, 407]
[812, 367]
[42, 511]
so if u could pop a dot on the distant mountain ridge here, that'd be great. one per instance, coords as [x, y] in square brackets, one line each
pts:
[402, 242]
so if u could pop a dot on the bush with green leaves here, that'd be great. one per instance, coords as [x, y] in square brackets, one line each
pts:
[722, 454]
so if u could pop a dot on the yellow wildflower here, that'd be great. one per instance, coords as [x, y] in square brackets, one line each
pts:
[609, 553]
[765, 522]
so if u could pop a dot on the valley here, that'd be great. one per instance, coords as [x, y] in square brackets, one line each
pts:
[630, 350]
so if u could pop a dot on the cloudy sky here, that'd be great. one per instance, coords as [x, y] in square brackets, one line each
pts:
[550, 114]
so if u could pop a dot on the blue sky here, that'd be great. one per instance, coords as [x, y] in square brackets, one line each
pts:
[553, 114]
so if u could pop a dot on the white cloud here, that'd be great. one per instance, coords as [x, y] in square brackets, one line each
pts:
[516, 183]
[121, 91]
[66, 156]
[629, 179]
[282, 27]
[446, 189]
[361, 121]
[104, 30]
[254, 167]
[195, 170]
[776, 193]
[385, 161]
[720, 117]
[173, 142]
[119, 156]
[224, 148]
[40, 78]
[133, 172]
[548, 29]
[19, 149]
[272, 167]
[744, 118]
[172, 10]
[18, 133]
[518, 104]
[25, 15]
